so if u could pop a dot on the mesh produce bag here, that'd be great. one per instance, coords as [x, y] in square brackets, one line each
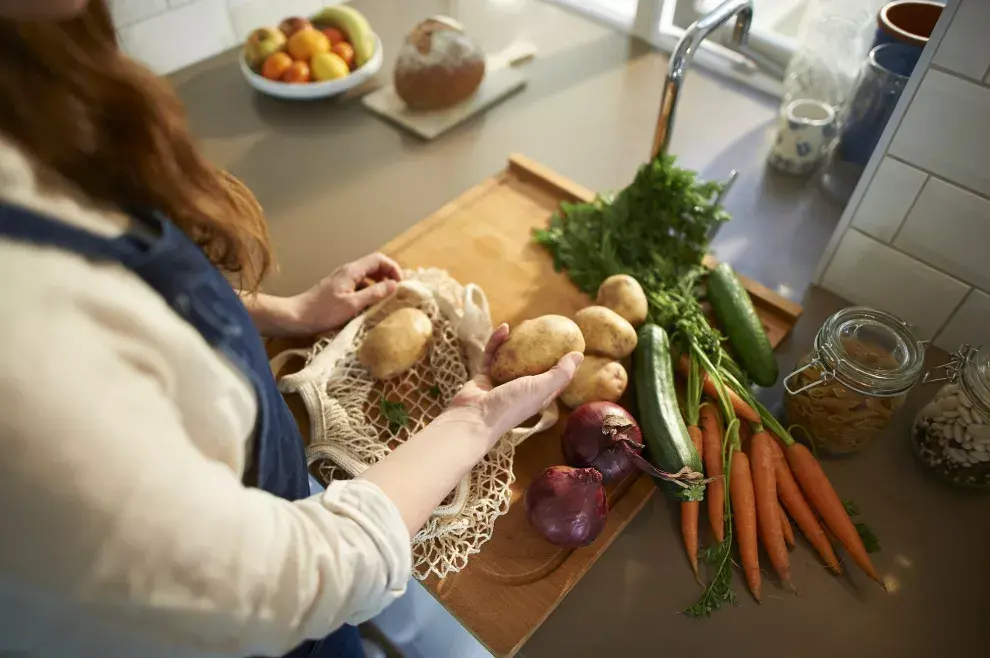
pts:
[349, 430]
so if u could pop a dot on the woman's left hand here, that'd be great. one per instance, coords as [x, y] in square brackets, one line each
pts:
[341, 295]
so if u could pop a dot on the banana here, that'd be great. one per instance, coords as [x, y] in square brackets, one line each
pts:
[355, 26]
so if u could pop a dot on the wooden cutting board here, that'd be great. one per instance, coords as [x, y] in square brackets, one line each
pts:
[484, 237]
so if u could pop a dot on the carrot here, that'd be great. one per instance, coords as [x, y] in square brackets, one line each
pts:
[767, 514]
[711, 437]
[745, 434]
[793, 500]
[785, 525]
[742, 409]
[689, 511]
[744, 517]
[809, 474]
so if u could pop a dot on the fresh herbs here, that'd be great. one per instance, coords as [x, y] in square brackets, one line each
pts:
[655, 230]
[396, 415]
[870, 540]
[719, 591]
[433, 391]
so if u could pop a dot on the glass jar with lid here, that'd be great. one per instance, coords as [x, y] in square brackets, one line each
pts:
[846, 390]
[951, 434]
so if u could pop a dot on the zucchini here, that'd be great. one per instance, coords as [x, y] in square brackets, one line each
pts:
[735, 312]
[660, 419]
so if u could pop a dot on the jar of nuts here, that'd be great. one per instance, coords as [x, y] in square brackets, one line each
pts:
[951, 434]
[847, 388]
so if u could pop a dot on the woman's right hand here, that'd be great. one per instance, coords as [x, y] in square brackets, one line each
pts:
[498, 409]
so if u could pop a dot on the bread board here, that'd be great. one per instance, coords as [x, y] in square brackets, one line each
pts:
[502, 79]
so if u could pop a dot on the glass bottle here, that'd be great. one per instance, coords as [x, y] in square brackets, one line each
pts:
[846, 390]
[951, 434]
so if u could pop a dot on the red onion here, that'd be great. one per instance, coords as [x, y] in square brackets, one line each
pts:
[567, 505]
[593, 437]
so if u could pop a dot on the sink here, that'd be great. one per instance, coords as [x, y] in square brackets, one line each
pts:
[780, 223]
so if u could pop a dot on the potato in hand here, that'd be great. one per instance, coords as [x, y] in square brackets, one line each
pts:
[535, 346]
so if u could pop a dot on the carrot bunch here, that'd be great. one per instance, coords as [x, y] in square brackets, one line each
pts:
[762, 472]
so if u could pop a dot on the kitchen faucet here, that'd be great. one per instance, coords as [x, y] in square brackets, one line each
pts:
[681, 58]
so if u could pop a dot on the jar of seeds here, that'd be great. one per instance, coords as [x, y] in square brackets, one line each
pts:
[951, 434]
[846, 390]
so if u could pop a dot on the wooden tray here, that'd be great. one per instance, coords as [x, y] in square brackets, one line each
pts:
[484, 237]
[517, 579]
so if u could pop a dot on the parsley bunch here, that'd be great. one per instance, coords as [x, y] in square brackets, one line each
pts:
[655, 230]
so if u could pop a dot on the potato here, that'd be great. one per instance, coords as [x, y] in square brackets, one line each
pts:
[606, 332]
[535, 346]
[396, 343]
[597, 378]
[624, 295]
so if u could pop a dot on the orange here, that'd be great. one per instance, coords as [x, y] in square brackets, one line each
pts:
[335, 35]
[276, 65]
[345, 51]
[307, 42]
[298, 72]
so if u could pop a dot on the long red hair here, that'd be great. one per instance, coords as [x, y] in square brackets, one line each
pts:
[80, 106]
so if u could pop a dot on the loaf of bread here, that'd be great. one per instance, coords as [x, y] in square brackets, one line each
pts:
[438, 66]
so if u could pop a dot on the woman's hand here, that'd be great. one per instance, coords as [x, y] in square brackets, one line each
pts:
[342, 295]
[330, 303]
[495, 410]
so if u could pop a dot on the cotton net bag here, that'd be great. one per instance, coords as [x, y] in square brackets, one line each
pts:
[350, 431]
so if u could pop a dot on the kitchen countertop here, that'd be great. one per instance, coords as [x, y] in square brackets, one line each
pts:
[337, 182]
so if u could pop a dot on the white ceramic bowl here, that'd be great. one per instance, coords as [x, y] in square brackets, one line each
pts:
[314, 90]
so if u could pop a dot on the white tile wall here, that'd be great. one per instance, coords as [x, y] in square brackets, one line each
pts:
[965, 49]
[891, 194]
[127, 12]
[925, 198]
[947, 130]
[970, 324]
[180, 36]
[949, 228]
[869, 272]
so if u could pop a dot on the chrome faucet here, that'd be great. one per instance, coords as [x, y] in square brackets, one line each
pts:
[681, 58]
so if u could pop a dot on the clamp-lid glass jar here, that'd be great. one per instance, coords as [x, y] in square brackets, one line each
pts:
[846, 389]
[951, 434]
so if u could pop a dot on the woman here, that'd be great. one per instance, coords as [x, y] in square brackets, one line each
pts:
[153, 494]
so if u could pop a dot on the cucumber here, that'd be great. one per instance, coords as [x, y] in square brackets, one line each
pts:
[660, 419]
[742, 325]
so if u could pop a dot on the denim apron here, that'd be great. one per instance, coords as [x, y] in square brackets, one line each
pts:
[179, 271]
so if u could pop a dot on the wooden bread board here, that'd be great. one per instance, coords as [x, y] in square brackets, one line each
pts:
[484, 237]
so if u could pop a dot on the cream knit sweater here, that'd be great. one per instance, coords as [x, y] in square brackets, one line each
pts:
[124, 527]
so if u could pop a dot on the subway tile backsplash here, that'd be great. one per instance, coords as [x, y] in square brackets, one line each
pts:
[891, 194]
[917, 243]
[868, 272]
[949, 228]
[180, 36]
[945, 130]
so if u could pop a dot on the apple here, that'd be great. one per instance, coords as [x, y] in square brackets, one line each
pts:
[293, 24]
[335, 35]
[298, 72]
[276, 65]
[262, 43]
[345, 51]
[328, 66]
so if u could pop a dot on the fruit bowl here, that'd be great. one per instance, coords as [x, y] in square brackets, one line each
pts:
[314, 90]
